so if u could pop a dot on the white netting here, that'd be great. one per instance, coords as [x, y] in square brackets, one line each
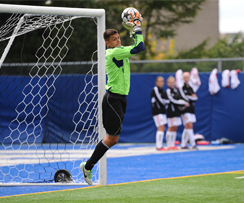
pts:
[54, 120]
[28, 22]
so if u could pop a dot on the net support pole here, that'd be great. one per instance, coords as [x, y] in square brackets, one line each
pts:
[10, 42]
[101, 92]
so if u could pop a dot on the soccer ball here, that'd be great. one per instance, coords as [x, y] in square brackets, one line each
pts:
[128, 14]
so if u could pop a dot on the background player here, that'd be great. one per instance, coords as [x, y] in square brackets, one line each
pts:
[173, 112]
[118, 85]
[158, 102]
[188, 114]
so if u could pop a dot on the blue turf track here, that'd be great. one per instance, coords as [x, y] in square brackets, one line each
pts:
[165, 165]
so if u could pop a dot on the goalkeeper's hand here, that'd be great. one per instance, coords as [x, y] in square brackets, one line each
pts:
[134, 25]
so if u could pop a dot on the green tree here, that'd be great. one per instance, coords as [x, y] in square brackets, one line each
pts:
[162, 17]
[194, 53]
[160, 20]
[224, 48]
[227, 47]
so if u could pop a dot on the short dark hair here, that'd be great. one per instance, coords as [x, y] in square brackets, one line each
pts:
[108, 33]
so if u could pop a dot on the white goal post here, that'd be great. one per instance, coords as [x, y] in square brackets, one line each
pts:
[101, 79]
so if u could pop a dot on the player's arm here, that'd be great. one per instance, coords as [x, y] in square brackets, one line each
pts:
[193, 97]
[159, 97]
[175, 101]
[128, 51]
[165, 97]
[134, 27]
[182, 94]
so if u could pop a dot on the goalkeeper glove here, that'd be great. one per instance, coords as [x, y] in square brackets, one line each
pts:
[134, 25]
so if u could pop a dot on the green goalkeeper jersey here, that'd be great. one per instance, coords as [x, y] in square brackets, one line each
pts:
[118, 66]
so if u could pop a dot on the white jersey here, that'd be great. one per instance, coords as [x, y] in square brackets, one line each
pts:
[234, 79]
[225, 82]
[213, 82]
[179, 82]
[194, 81]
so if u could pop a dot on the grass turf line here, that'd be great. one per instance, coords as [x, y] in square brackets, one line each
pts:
[213, 188]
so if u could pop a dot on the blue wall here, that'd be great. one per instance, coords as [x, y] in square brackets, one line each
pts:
[218, 116]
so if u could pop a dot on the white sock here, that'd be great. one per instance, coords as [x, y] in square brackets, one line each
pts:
[191, 137]
[159, 139]
[173, 139]
[168, 138]
[184, 138]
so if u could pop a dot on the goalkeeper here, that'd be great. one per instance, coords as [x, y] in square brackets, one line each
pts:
[118, 85]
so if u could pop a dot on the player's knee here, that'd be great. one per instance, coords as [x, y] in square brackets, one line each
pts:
[161, 128]
[189, 125]
[114, 142]
[172, 128]
[111, 140]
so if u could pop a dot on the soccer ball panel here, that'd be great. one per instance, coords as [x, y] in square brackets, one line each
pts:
[128, 13]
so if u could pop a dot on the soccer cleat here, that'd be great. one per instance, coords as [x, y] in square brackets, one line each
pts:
[161, 149]
[195, 147]
[185, 147]
[173, 148]
[86, 173]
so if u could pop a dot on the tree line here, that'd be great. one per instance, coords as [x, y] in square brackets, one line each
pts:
[160, 21]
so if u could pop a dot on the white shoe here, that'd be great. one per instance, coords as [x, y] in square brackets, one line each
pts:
[86, 173]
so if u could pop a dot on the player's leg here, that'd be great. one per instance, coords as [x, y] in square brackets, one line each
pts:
[160, 137]
[160, 120]
[100, 149]
[170, 136]
[184, 139]
[174, 139]
[168, 133]
[191, 118]
[176, 122]
[190, 133]
[86, 167]
[184, 136]
[113, 114]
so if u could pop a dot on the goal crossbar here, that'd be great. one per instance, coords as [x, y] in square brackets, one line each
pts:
[82, 12]
[46, 10]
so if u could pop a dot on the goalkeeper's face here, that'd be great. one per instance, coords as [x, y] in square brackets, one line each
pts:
[114, 41]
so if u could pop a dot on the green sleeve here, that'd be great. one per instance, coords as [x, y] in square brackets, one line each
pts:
[121, 53]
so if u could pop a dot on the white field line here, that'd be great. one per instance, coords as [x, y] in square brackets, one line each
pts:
[239, 177]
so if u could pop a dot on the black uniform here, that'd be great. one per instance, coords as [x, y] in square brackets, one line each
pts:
[186, 92]
[176, 102]
[158, 101]
[115, 106]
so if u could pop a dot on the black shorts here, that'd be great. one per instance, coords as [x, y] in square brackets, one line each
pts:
[113, 108]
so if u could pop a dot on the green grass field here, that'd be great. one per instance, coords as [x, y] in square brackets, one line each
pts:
[206, 188]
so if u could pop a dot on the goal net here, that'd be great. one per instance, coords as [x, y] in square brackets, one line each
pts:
[50, 115]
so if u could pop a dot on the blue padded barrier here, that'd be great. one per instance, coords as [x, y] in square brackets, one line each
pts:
[218, 116]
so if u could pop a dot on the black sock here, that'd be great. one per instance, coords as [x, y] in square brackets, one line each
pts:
[99, 151]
